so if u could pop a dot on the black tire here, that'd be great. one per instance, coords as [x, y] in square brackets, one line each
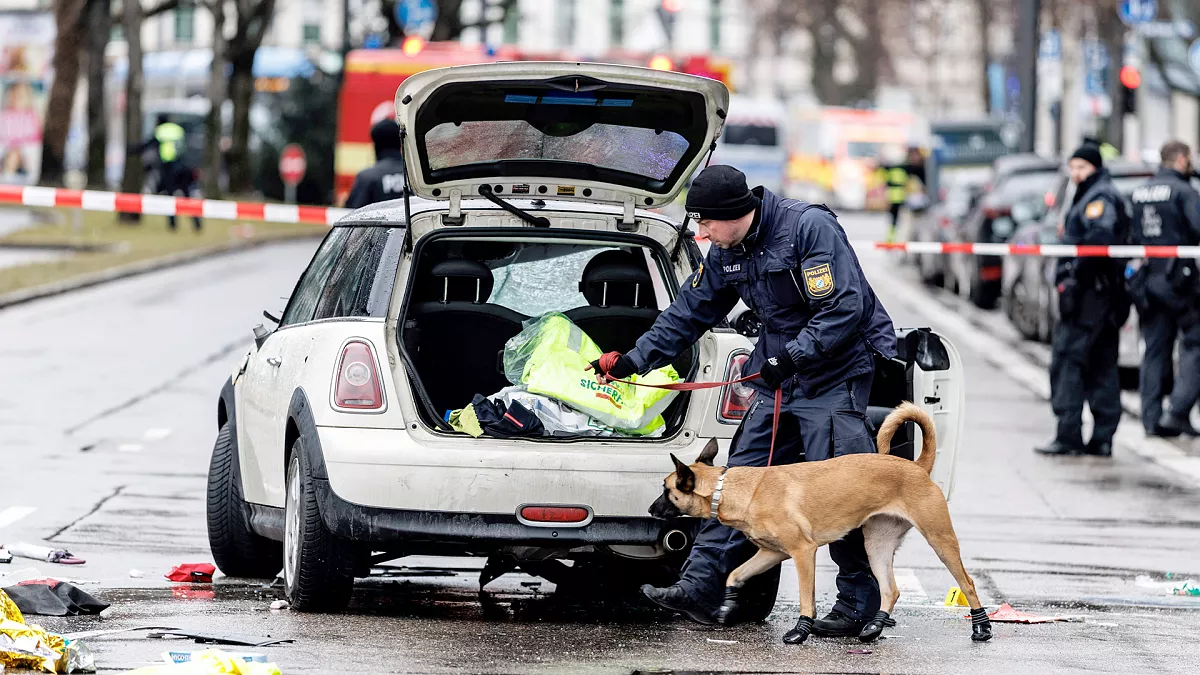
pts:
[318, 566]
[984, 294]
[237, 550]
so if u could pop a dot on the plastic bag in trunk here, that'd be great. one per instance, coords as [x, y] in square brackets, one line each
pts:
[550, 357]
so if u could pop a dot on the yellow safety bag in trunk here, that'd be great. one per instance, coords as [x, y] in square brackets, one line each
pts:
[550, 356]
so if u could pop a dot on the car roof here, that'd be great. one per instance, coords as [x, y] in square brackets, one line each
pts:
[1022, 162]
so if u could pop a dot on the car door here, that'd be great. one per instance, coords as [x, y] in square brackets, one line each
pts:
[264, 393]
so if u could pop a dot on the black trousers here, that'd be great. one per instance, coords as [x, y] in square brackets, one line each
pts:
[1159, 329]
[1083, 368]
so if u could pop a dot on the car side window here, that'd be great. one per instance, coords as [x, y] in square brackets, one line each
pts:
[347, 292]
[304, 298]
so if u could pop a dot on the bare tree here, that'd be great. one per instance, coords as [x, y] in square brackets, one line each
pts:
[251, 23]
[68, 16]
[99, 27]
[216, 97]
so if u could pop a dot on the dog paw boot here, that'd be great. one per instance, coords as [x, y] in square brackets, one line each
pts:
[981, 625]
[800, 633]
[874, 628]
[725, 615]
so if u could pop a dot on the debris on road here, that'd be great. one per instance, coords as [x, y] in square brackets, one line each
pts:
[1185, 587]
[211, 662]
[44, 553]
[714, 641]
[194, 572]
[31, 646]
[51, 597]
[859, 651]
[280, 604]
[5, 556]
[223, 639]
[136, 574]
[188, 657]
[112, 631]
[1006, 614]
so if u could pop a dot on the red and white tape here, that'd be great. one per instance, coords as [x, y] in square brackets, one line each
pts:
[1052, 250]
[161, 205]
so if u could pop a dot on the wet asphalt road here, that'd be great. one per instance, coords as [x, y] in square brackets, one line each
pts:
[107, 420]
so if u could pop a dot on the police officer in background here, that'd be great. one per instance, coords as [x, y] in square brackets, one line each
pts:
[1092, 305]
[823, 328]
[385, 180]
[174, 174]
[896, 178]
[1166, 212]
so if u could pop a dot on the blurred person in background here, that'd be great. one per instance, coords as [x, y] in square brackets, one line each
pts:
[174, 175]
[896, 178]
[385, 180]
[1166, 212]
[1093, 306]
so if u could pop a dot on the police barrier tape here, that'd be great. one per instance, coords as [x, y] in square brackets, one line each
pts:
[161, 205]
[1049, 250]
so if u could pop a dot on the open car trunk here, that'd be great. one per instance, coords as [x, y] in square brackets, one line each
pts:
[469, 294]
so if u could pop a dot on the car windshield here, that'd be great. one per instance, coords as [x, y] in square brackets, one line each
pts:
[750, 134]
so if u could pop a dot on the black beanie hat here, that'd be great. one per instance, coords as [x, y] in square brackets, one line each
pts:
[386, 135]
[720, 193]
[1089, 152]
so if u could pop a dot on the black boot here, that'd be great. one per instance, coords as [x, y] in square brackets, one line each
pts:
[1171, 426]
[836, 624]
[797, 635]
[1099, 449]
[1057, 447]
[874, 628]
[676, 599]
[981, 625]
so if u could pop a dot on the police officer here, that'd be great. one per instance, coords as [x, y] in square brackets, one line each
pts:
[385, 180]
[1092, 307]
[174, 175]
[1166, 212]
[896, 179]
[823, 326]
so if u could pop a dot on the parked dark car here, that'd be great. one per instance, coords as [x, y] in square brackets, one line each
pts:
[938, 224]
[1016, 178]
[1029, 299]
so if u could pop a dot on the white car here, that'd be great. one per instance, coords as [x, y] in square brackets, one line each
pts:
[529, 181]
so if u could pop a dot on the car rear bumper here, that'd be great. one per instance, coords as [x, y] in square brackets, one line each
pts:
[479, 531]
[394, 470]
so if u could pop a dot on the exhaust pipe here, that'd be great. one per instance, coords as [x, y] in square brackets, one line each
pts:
[675, 540]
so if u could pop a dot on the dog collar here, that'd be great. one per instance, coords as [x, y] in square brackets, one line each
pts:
[716, 498]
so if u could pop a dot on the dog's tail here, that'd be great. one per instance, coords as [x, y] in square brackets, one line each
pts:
[907, 412]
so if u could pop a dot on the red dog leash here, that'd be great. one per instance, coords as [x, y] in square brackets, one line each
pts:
[609, 359]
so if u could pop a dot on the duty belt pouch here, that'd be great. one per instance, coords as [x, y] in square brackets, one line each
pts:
[1135, 285]
[1069, 299]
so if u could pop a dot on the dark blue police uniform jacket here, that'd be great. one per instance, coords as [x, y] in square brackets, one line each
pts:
[797, 271]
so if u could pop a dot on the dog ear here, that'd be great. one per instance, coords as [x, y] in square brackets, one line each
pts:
[685, 480]
[709, 453]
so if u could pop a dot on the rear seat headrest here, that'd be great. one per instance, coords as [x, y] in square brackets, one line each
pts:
[616, 279]
[462, 281]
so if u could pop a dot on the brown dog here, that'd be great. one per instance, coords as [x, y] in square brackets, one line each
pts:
[789, 511]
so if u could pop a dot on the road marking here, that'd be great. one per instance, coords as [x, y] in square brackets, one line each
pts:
[14, 513]
[156, 434]
[129, 447]
[911, 591]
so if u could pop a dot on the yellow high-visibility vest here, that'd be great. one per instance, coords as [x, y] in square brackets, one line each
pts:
[170, 137]
[897, 182]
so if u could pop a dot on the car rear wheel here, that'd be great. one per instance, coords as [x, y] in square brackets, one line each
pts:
[236, 549]
[318, 566]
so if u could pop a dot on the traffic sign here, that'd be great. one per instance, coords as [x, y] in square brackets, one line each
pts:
[1194, 55]
[292, 165]
[417, 17]
[1133, 12]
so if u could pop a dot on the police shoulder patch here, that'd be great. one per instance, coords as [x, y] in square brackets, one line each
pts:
[696, 276]
[1094, 209]
[818, 279]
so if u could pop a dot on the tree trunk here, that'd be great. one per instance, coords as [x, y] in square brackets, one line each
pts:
[68, 15]
[984, 11]
[241, 93]
[99, 27]
[449, 20]
[1112, 34]
[216, 96]
[134, 175]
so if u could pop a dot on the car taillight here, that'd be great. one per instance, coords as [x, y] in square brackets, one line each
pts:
[554, 514]
[357, 385]
[993, 212]
[735, 398]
